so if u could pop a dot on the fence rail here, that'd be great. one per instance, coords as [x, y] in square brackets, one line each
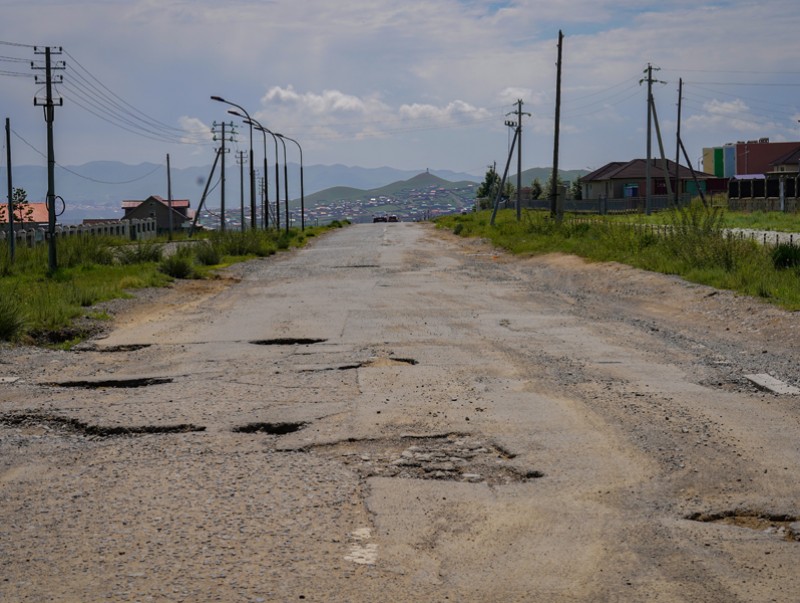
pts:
[135, 230]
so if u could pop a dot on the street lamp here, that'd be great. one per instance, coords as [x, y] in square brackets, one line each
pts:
[285, 182]
[252, 167]
[302, 195]
[254, 122]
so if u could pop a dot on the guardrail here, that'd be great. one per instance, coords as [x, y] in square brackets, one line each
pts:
[135, 230]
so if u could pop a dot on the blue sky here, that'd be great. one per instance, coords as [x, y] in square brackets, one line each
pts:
[412, 85]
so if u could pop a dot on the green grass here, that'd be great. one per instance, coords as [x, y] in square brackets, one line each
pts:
[40, 307]
[690, 242]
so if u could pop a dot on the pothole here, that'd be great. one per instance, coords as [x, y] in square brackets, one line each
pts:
[453, 457]
[270, 428]
[785, 526]
[388, 361]
[55, 422]
[289, 341]
[373, 363]
[116, 383]
[130, 347]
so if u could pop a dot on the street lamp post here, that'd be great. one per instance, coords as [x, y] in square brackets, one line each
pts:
[302, 194]
[264, 131]
[252, 167]
[285, 182]
[277, 178]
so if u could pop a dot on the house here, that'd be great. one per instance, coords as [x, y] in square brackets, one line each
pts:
[158, 208]
[37, 218]
[628, 180]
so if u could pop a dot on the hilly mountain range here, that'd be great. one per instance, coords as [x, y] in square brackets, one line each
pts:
[97, 189]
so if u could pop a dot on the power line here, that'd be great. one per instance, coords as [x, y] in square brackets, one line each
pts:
[74, 173]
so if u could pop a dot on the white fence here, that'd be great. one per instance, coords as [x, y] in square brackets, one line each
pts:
[135, 230]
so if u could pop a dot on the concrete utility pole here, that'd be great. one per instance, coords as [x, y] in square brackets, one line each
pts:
[169, 197]
[223, 138]
[648, 187]
[241, 161]
[678, 145]
[518, 136]
[555, 211]
[12, 240]
[49, 116]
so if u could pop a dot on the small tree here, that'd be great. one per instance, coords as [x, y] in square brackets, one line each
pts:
[23, 211]
[488, 188]
[536, 189]
[577, 189]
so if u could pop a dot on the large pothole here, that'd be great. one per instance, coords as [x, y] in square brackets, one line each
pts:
[279, 428]
[53, 422]
[115, 383]
[783, 525]
[283, 341]
[453, 457]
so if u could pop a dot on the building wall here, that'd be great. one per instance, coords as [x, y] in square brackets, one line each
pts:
[756, 156]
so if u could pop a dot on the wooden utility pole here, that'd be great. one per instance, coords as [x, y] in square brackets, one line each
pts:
[555, 211]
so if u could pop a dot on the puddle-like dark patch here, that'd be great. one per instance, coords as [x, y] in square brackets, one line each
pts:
[130, 347]
[358, 266]
[116, 383]
[783, 525]
[288, 341]
[453, 457]
[374, 363]
[281, 428]
[71, 425]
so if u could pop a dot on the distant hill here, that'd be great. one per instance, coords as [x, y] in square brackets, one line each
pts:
[425, 180]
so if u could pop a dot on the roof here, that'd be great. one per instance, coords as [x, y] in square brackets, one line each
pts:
[39, 215]
[792, 157]
[637, 169]
[130, 204]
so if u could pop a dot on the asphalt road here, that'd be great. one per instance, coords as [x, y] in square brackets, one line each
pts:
[395, 414]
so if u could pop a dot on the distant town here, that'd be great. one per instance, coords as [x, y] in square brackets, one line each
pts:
[421, 198]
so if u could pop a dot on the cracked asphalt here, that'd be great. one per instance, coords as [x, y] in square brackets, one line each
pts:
[394, 413]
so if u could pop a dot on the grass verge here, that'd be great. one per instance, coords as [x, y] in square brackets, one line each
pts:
[690, 242]
[39, 307]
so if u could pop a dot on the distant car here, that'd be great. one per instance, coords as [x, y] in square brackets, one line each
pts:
[380, 219]
[393, 219]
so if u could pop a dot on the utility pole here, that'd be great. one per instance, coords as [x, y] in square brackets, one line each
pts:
[648, 187]
[555, 211]
[49, 116]
[518, 136]
[678, 145]
[241, 161]
[223, 138]
[12, 240]
[169, 197]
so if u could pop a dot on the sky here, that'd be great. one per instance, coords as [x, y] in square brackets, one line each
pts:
[411, 85]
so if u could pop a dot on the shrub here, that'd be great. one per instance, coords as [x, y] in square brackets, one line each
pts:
[12, 322]
[206, 254]
[177, 266]
[140, 253]
[785, 255]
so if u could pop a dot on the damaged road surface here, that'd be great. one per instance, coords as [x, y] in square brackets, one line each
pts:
[397, 414]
